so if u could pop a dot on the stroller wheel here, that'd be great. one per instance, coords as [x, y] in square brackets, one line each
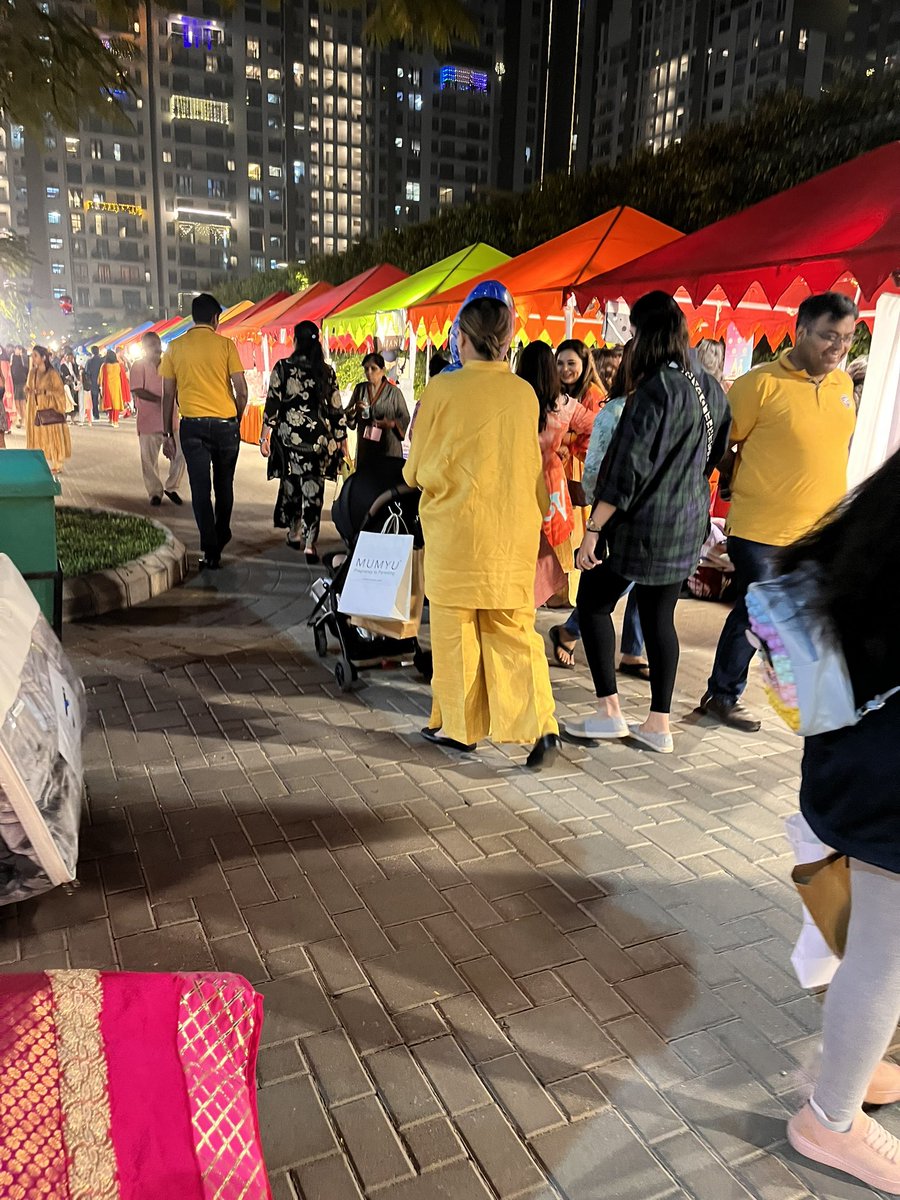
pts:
[320, 638]
[424, 664]
[344, 674]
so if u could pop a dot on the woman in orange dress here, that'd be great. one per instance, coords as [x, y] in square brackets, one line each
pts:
[115, 393]
[45, 413]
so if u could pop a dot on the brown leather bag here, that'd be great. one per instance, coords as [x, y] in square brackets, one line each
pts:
[49, 416]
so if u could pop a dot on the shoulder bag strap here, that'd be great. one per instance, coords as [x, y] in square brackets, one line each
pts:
[707, 415]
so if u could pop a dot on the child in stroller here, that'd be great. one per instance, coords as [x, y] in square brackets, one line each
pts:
[365, 502]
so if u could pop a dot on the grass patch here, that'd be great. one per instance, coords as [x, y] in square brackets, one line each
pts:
[94, 541]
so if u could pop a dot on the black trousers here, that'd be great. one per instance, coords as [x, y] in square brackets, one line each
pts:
[598, 594]
[211, 446]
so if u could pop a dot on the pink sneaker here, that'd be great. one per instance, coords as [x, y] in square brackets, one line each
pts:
[866, 1151]
[884, 1086]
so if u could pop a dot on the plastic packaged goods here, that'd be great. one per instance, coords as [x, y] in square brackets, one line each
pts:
[42, 713]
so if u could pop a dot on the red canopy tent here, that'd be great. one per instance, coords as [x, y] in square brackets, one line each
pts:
[245, 329]
[840, 230]
[536, 277]
[320, 307]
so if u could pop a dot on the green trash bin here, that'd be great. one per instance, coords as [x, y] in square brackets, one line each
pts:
[28, 526]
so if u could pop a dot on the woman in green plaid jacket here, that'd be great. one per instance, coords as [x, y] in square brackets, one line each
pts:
[650, 515]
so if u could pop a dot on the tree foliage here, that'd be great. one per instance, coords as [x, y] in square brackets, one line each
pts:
[715, 171]
[291, 278]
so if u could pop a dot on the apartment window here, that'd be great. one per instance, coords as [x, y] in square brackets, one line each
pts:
[253, 47]
[57, 268]
[274, 196]
[193, 108]
[58, 293]
[445, 195]
[398, 142]
[273, 74]
[299, 170]
[104, 273]
[72, 145]
[52, 193]
[413, 189]
[117, 151]
[184, 185]
[230, 164]
[254, 171]
[415, 101]
[212, 64]
[256, 194]
[257, 262]
[252, 71]
[56, 243]
[167, 156]
[275, 171]
[76, 221]
[273, 98]
[96, 148]
[53, 218]
[215, 189]
[803, 40]
[415, 147]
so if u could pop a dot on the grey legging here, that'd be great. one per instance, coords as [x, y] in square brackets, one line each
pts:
[862, 1006]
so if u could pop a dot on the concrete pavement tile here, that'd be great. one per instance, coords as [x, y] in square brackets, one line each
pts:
[601, 1159]
[559, 1039]
[472, 907]
[503, 1158]
[219, 915]
[598, 997]
[451, 1075]
[675, 1003]
[420, 1024]
[632, 918]
[375, 1149]
[475, 1029]
[248, 885]
[362, 934]
[692, 1163]
[328, 1179]
[457, 1181]
[419, 975]
[767, 1178]
[649, 1052]
[578, 1096]
[175, 948]
[129, 912]
[337, 1067]
[403, 1086]
[772, 1022]
[362, 1015]
[456, 941]
[637, 1101]
[292, 922]
[238, 954]
[293, 1124]
[602, 952]
[731, 1112]
[336, 965]
[434, 1143]
[281, 1061]
[295, 1006]
[392, 901]
[532, 944]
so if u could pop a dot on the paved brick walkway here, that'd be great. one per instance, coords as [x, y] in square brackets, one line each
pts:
[478, 982]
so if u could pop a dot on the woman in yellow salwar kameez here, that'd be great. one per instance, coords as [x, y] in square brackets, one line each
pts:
[475, 456]
[45, 413]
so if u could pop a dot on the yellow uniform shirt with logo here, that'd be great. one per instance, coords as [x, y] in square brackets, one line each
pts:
[202, 362]
[793, 441]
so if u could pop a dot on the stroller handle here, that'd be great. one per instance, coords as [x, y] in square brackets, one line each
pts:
[392, 493]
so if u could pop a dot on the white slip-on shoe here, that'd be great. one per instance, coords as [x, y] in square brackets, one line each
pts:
[597, 726]
[662, 743]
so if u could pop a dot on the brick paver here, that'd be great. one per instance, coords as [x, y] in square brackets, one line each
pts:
[478, 982]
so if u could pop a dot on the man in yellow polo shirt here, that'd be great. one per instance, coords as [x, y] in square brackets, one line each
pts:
[202, 369]
[792, 421]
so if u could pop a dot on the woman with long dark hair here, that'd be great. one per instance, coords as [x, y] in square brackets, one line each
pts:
[45, 422]
[848, 795]
[650, 515]
[560, 415]
[304, 435]
[378, 412]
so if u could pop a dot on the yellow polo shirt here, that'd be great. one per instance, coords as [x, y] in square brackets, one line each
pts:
[202, 362]
[793, 441]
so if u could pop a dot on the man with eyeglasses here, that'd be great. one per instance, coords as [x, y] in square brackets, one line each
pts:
[792, 422]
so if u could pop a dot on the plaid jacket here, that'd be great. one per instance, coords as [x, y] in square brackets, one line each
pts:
[656, 475]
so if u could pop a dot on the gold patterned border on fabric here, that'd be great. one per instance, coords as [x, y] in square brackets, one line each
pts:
[84, 1085]
[32, 1161]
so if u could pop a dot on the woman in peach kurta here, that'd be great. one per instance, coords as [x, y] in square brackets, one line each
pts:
[562, 420]
[580, 382]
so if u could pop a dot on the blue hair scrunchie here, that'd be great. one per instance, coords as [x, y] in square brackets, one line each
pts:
[491, 289]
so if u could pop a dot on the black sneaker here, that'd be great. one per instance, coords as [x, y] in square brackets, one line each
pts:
[730, 712]
[209, 564]
[155, 501]
[175, 498]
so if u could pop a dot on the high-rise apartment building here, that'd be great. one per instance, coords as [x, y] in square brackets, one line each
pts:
[256, 134]
[666, 66]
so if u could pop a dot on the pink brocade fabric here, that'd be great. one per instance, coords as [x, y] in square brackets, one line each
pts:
[218, 1030]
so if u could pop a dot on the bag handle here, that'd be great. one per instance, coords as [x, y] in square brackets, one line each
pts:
[707, 415]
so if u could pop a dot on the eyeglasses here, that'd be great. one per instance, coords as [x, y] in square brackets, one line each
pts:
[835, 339]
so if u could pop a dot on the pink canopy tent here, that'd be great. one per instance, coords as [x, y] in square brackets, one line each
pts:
[838, 230]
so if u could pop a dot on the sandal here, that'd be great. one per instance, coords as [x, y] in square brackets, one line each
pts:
[640, 670]
[559, 649]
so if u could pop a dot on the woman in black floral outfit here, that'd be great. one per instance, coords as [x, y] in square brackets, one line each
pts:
[304, 437]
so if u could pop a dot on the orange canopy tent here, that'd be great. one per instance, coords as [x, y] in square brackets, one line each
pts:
[246, 332]
[536, 277]
[255, 309]
[839, 230]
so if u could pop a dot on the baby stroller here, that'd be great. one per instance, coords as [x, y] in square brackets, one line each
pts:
[365, 503]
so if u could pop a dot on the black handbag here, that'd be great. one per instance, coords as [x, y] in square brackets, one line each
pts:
[49, 416]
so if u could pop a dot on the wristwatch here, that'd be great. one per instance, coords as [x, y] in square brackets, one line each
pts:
[592, 528]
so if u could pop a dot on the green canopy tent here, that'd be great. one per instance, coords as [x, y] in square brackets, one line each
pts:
[384, 315]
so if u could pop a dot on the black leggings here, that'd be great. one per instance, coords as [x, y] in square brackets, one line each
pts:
[599, 592]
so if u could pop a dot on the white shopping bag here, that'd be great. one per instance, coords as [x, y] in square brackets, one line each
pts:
[812, 960]
[379, 581]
